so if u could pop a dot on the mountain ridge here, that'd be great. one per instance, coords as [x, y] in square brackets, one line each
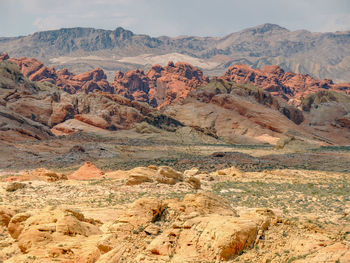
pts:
[321, 55]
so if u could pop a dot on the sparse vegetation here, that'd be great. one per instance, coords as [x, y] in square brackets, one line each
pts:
[291, 197]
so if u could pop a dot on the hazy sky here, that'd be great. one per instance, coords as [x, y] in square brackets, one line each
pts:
[172, 17]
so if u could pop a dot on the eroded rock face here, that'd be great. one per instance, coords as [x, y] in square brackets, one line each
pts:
[34, 69]
[87, 82]
[286, 85]
[160, 86]
[132, 84]
[97, 110]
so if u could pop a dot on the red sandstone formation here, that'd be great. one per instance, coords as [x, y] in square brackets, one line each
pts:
[160, 85]
[87, 172]
[88, 81]
[287, 85]
[35, 70]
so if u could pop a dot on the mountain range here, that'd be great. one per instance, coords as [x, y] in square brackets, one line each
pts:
[321, 55]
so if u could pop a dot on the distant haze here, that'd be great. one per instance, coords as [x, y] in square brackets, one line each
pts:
[172, 18]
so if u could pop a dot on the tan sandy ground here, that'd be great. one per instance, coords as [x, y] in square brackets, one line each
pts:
[157, 214]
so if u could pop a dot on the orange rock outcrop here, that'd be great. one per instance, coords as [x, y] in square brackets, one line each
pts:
[160, 86]
[35, 70]
[287, 85]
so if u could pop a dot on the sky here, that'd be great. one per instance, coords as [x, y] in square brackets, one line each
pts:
[172, 17]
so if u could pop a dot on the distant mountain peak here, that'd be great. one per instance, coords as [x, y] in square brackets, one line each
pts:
[267, 27]
[120, 30]
[56, 33]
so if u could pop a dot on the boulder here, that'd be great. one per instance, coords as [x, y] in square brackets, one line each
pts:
[136, 179]
[16, 224]
[195, 183]
[168, 175]
[33, 237]
[143, 211]
[162, 174]
[14, 186]
[202, 227]
[212, 237]
[66, 222]
[5, 216]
